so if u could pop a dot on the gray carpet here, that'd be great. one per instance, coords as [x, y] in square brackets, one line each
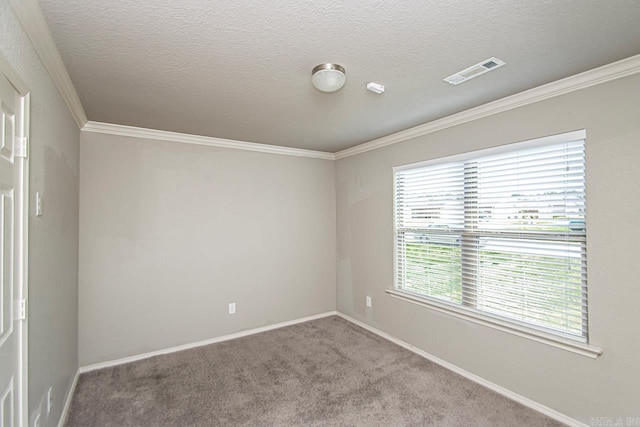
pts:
[326, 372]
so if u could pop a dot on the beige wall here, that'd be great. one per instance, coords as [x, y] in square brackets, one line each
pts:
[575, 385]
[53, 238]
[171, 233]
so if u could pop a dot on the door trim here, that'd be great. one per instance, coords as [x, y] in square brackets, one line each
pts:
[22, 225]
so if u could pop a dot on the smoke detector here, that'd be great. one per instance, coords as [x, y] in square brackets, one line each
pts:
[475, 71]
[375, 87]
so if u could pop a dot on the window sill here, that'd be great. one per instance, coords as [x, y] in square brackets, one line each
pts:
[532, 334]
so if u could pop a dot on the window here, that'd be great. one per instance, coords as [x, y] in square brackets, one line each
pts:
[500, 233]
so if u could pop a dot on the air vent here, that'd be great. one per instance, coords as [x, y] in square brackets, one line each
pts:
[474, 71]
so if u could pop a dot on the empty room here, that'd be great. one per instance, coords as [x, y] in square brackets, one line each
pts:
[338, 213]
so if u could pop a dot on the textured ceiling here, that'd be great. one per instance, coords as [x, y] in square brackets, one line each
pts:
[241, 69]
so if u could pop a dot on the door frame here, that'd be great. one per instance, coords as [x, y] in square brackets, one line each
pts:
[22, 228]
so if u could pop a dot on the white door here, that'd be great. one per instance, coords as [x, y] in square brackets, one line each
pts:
[11, 273]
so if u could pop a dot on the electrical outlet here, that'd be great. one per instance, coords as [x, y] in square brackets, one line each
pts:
[232, 308]
[368, 301]
[49, 400]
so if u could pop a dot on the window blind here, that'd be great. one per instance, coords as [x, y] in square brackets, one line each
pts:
[501, 234]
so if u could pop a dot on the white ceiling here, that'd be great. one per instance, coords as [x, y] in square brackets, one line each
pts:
[241, 69]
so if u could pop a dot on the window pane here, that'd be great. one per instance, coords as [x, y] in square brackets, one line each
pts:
[532, 281]
[531, 190]
[432, 266]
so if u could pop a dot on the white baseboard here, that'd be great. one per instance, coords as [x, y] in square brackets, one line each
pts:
[129, 359]
[475, 378]
[68, 399]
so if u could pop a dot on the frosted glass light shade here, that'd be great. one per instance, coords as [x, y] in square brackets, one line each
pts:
[328, 77]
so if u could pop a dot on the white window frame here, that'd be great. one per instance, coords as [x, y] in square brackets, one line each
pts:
[459, 311]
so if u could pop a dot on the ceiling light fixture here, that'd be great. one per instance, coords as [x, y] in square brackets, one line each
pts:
[328, 77]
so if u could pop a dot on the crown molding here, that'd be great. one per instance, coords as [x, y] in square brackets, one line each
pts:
[606, 73]
[30, 16]
[121, 130]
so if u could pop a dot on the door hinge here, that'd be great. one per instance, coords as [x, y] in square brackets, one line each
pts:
[21, 146]
[22, 309]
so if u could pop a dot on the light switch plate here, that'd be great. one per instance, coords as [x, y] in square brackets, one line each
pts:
[39, 208]
[49, 400]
